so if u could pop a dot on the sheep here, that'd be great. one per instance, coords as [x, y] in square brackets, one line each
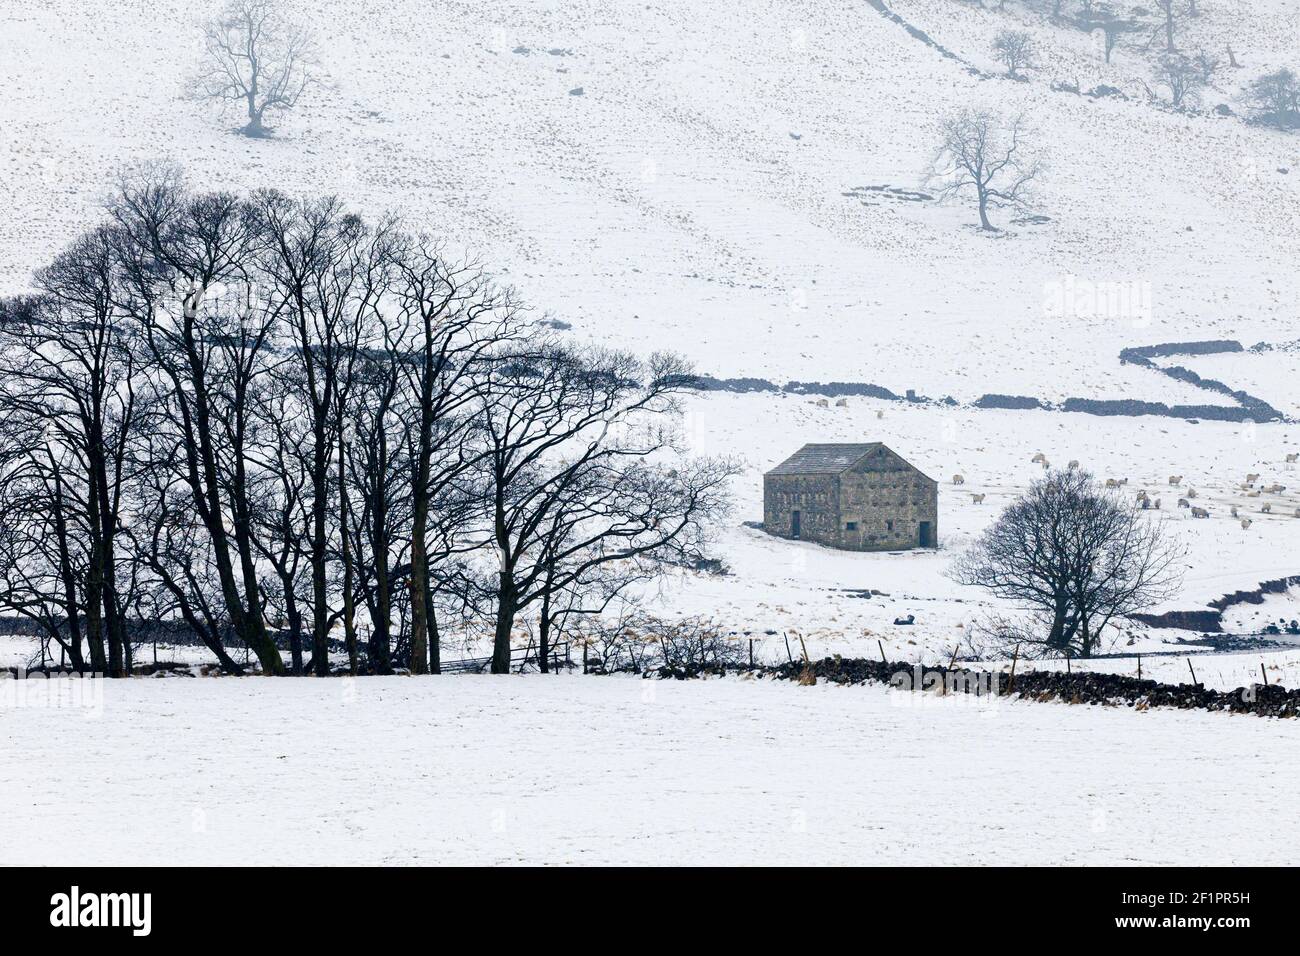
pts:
[822, 403]
[1200, 513]
[1252, 494]
[1266, 509]
[977, 499]
[1234, 511]
[1274, 489]
[1184, 503]
[1191, 492]
[1073, 465]
[1112, 483]
[1251, 479]
[1157, 506]
[1175, 480]
[959, 479]
[1046, 464]
[842, 403]
[880, 413]
[1292, 458]
[1245, 523]
[1038, 458]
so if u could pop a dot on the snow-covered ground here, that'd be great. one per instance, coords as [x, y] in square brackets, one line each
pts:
[554, 770]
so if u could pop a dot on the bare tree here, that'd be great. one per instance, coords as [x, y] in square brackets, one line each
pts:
[66, 368]
[569, 433]
[1073, 557]
[1015, 50]
[446, 321]
[208, 344]
[1276, 99]
[1170, 13]
[1182, 77]
[984, 154]
[255, 56]
[325, 272]
[1113, 24]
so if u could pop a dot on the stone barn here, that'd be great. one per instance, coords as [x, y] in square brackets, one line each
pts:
[853, 497]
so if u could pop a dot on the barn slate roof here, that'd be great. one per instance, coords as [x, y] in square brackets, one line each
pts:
[824, 459]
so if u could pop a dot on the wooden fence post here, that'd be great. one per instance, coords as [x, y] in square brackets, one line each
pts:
[1011, 682]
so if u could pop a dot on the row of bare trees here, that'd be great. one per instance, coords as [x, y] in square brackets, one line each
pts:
[274, 425]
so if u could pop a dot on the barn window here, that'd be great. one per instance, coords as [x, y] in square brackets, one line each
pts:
[889, 525]
[851, 526]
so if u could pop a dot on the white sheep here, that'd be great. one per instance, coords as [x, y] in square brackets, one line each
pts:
[1245, 523]
[977, 499]
[1175, 479]
[959, 479]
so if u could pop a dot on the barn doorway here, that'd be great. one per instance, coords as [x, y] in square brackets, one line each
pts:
[794, 524]
[927, 534]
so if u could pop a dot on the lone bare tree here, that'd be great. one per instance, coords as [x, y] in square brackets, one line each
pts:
[1182, 76]
[983, 153]
[256, 56]
[1073, 557]
[1276, 99]
[1014, 50]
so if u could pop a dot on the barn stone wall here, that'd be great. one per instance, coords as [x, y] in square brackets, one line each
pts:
[887, 504]
[815, 497]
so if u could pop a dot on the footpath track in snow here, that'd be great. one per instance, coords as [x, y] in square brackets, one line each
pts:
[571, 770]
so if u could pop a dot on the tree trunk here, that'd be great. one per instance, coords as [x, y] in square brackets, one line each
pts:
[320, 593]
[345, 549]
[419, 586]
[544, 634]
[69, 585]
[435, 643]
[507, 606]
[984, 214]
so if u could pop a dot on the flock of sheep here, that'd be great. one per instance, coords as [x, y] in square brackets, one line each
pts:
[1145, 501]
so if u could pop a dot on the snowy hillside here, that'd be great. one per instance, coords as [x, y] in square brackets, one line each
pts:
[707, 177]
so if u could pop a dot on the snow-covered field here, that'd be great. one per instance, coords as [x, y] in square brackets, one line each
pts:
[654, 175]
[553, 770]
